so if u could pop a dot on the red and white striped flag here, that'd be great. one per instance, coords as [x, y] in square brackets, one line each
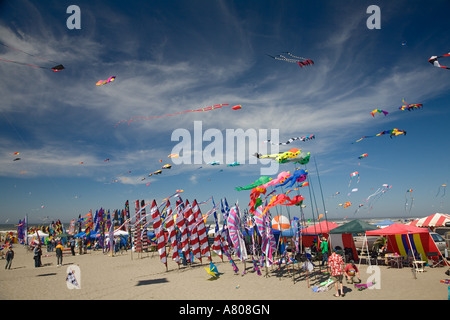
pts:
[181, 224]
[170, 226]
[217, 248]
[193, 236]
[201, 231]
[159, 233]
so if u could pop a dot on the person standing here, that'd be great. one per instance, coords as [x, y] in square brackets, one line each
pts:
[80, 246]
[59, 254]
[37, 256]
[9, 257]
[324, 250]
[336, 268]
[72, 245]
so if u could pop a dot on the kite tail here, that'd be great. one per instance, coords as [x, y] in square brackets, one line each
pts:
[235, 268]
[256, 266]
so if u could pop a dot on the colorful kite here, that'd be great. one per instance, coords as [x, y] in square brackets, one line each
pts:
[409, 203]
[56, 68]
[379, 111]
[260, 181]
[347, 204]
[299, 175]
[393, 132]
[353, 175]
[212, 270]
[283, 199]
[282, 176]
[102, 82]
[280, 157]
[359, 207]
[410, 107]
[376, 195]
[166, 166]
[216, 106]
[293, 59]
[304, 138]
[435, 62]
[364, 155]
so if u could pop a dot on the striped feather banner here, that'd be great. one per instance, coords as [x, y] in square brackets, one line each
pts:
[193, 235]
[144, 235]
[217, 248]
[181, 224]
[170, 226]
[237, 240]
[201, 231]
[159, 232]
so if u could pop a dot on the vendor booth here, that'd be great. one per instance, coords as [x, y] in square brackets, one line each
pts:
[407, 240]
[343, 236]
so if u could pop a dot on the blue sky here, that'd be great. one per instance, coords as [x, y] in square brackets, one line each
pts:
[171, 56]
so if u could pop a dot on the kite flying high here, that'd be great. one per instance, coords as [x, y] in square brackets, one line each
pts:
[293, 59]
[435, 62]
[56, 68]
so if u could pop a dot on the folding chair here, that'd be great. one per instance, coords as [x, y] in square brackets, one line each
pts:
[407, 261]
[436, 259]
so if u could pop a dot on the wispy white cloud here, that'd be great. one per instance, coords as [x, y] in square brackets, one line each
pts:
[330, 99]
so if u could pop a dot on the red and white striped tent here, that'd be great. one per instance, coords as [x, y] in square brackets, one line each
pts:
[432, 221]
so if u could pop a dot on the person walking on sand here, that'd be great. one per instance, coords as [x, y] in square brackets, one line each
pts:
[9, 257]
[324, 250]
[59, 254]
[37, 256]
[72, 246]
[336, 268]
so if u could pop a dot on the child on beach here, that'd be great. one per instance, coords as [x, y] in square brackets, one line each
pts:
[351, 270]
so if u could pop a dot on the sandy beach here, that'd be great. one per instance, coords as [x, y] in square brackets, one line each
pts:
[132, 277]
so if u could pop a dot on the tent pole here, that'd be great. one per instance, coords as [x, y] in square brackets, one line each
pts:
[367, 247]
[410, 247]
[366, 244]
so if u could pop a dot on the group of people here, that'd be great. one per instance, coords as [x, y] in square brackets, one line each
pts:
[59, 249]
[337, 268]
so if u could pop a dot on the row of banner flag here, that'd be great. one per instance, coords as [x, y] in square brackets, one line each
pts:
[180, 229]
